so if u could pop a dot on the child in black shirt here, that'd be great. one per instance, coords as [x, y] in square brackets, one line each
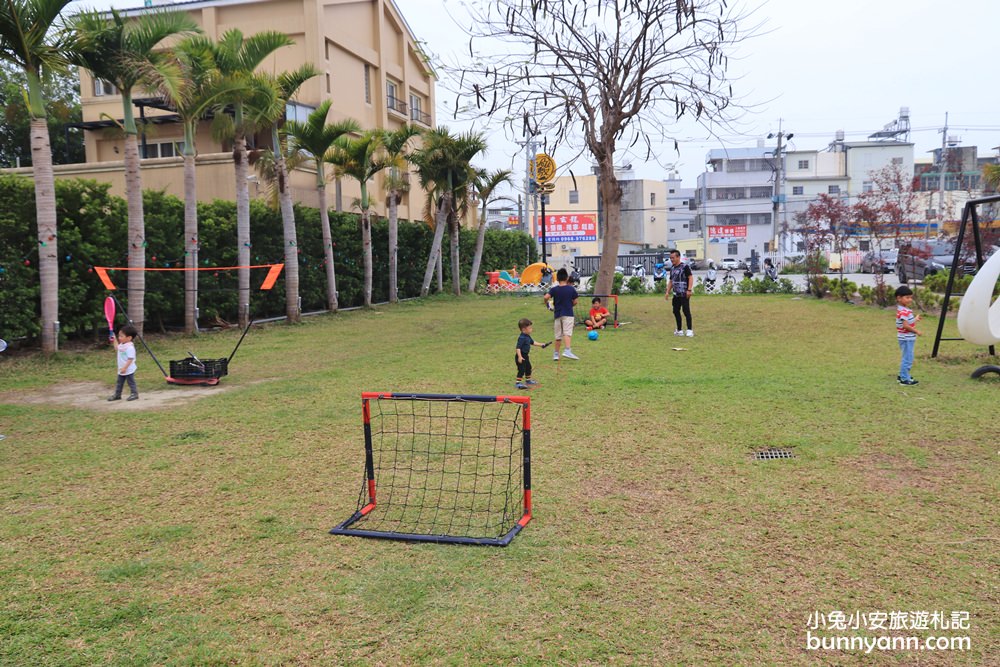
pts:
[524, 345]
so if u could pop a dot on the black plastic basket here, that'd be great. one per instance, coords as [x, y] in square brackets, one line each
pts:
[199, 368]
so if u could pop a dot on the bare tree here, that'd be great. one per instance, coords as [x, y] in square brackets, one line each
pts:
[825, 227]
[884, 213]
[604, 75]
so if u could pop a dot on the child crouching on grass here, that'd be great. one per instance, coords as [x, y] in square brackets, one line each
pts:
[125, 349]
[524, 345]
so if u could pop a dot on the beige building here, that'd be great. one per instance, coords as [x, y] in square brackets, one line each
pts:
[574, 224]
[370, 67]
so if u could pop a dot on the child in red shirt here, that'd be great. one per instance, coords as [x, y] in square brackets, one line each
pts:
[598, 317]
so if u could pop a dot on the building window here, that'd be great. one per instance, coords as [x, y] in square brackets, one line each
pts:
[671, 208]
[368, 84]
[798, 190]
[415, 111]
[803, 164]
[867, 186]
[574, 197]
[102, 88]
[652, 199]
[833, 189]
[673, 231]
[672, 192]
[897, 161]
[761, 192]
[163, 149]
[327, 83]
[684, 203]
[727, 193]
[391, 97]
[733, 248]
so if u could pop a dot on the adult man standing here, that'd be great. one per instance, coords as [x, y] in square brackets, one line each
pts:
[680, 286]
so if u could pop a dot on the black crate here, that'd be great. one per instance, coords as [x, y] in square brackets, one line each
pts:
[199, 368]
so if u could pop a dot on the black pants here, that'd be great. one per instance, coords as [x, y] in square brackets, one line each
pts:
[523, 367]
[122, 379]
[682, 302]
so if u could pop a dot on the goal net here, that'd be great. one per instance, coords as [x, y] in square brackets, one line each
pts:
[581, 311]
[444, 468]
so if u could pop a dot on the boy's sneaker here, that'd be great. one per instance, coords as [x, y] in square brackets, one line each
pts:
[520, 385]
[678, 332]
[531, 382]
[133, 397]
[690, 333]
[115, 398]
[555, 356]
[570, 355]
[909, 382]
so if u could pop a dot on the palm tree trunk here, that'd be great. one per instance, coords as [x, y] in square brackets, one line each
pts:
[242, 227]
[293, 313]
[478, 257]
[456, 279]
[136, 234]
[440, 270]
[366, 247]
[48, 245]
[331, 275]
[440, 222]
[190, 246]
[393, 246]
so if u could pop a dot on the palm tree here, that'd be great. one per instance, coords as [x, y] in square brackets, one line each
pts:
[357, 158]
[26, 42]
[122, 52]
[484, 185]
[317, 138]
[444, 166]
[253, 99]
[288, 84]
[203, 88]
[394, 148]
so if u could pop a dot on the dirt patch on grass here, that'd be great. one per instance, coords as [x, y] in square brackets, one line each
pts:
[94, 396]
[891, 473]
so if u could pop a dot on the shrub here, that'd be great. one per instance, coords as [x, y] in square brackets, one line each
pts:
[636, 285]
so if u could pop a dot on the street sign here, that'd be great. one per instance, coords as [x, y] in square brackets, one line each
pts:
[545, 168]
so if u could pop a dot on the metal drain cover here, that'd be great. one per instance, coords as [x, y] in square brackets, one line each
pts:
[772, 453]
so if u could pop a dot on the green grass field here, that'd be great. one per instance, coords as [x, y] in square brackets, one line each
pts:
[195, 532]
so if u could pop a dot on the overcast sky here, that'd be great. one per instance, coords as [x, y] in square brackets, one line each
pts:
[821, 67]
[826, 66]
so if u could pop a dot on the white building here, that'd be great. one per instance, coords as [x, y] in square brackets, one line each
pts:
[681, 211]
[737, 198]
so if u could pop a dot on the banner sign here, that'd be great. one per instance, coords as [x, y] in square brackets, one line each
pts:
[727, 231]
[513, 220]
[568, 228]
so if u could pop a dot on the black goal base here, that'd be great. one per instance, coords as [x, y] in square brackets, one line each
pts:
[502, 541]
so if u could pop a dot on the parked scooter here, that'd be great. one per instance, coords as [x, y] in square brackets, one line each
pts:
[659, 271]
[639, 271]
[710, 277]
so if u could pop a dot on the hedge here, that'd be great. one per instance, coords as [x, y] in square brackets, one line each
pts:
[92, 232]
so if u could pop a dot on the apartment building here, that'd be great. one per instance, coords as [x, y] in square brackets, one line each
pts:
[371, 68]
[737, 198]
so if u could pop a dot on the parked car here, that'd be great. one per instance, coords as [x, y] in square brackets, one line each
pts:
[880, 260]
[730, 263]
[693, 262]
[919, 259]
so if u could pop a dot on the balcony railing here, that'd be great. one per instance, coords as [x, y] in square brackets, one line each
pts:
[419, 116]
[396, 104]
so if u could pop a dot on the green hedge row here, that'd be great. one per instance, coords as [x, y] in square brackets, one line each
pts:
[92, 232]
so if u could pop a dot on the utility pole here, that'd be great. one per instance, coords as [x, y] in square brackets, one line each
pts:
[530, 146]
[779, 189]
[942, 166]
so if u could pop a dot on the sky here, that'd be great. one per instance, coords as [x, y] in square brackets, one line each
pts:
[815, 68]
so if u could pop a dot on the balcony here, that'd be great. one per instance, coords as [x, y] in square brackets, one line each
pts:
[397, 105]
[418, 116]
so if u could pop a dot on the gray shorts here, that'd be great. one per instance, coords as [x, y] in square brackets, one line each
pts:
[563, 326]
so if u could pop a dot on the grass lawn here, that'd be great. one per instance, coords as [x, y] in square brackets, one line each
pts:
[195, 532]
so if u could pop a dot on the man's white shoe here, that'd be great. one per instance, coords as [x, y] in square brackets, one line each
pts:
[690, 333]
[678, 332]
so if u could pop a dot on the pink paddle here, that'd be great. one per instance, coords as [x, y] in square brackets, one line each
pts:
[109, 315]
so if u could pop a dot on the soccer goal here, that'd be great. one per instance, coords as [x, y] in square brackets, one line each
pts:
[444, 468]
[582, 308]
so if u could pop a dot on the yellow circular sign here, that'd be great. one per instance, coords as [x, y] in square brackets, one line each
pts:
[545, 168]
